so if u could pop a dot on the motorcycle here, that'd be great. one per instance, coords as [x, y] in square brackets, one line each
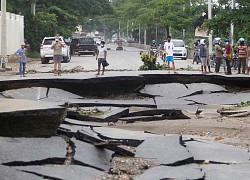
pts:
[154, 52]
[235, 61]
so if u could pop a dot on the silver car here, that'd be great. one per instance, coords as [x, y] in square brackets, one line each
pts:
[180, 50]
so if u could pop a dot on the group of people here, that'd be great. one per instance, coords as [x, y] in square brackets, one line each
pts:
[57, 45]
[223, 55]
[202, 55]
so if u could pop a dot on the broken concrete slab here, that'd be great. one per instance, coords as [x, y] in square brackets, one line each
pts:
[227, 172]
[218, 98]
[97, 157]
[178, 90]
[41, 94]
[142, 119]
[235, 81]
[23, 118]
[165, 90]
[125, 137]
[32, 151]
[146, 102]
[8, 173]
[69, 121]
[62, 172]
[88, 135]
[191, 171]
[206, 88]
[208, 151]
[81, 86]
[164, 150]
[175, 104]
[100, 114]
[153, 112]
[69, 130]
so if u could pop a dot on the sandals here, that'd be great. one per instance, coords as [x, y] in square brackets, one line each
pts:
[59, 72]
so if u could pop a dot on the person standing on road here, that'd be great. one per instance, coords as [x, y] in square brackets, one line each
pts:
[169, 46]
[229, 56]
[101, 56]
[218, 56]
[57, 46]
[163, 56]
[208, 57]
[248, 59]
[242, 55]
[203, 56]
[197, 52]
[22, 55]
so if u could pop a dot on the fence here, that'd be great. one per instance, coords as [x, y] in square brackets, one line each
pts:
[15, 32]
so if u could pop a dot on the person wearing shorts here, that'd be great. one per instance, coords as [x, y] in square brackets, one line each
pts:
[203, 55]
[168, 47]
[101, 56]
[57, 55]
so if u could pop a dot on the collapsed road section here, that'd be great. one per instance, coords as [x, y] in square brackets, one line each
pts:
[84, 141]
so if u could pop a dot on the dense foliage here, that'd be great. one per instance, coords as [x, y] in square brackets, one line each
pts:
[55, 16]
[158, 17]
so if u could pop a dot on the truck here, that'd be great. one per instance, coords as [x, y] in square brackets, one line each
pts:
[87, 45]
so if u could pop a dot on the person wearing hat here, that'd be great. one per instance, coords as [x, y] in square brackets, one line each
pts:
[57, 46]
[203, 56]
[101, 56]
[22, 55]
[242, 55]
[218, 55]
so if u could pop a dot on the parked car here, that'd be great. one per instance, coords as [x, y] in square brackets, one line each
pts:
[46, 52]
[87, 45]
[180, 49]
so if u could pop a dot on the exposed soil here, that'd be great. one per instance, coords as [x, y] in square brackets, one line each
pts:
[234, 131]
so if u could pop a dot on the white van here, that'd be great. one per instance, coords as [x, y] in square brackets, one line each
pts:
[180, 50]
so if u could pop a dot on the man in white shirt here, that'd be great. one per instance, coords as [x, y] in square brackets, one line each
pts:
[101, 56]
[168, 47]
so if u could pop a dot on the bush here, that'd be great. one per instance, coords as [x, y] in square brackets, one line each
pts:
[150, 63]
[33, 54]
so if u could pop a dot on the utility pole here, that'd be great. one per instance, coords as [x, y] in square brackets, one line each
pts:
[33, 7]
[3, 34]
[139, 33]
[119, 34]
[127, 28]
[210, 38]
[156, 32]
[232, 25]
